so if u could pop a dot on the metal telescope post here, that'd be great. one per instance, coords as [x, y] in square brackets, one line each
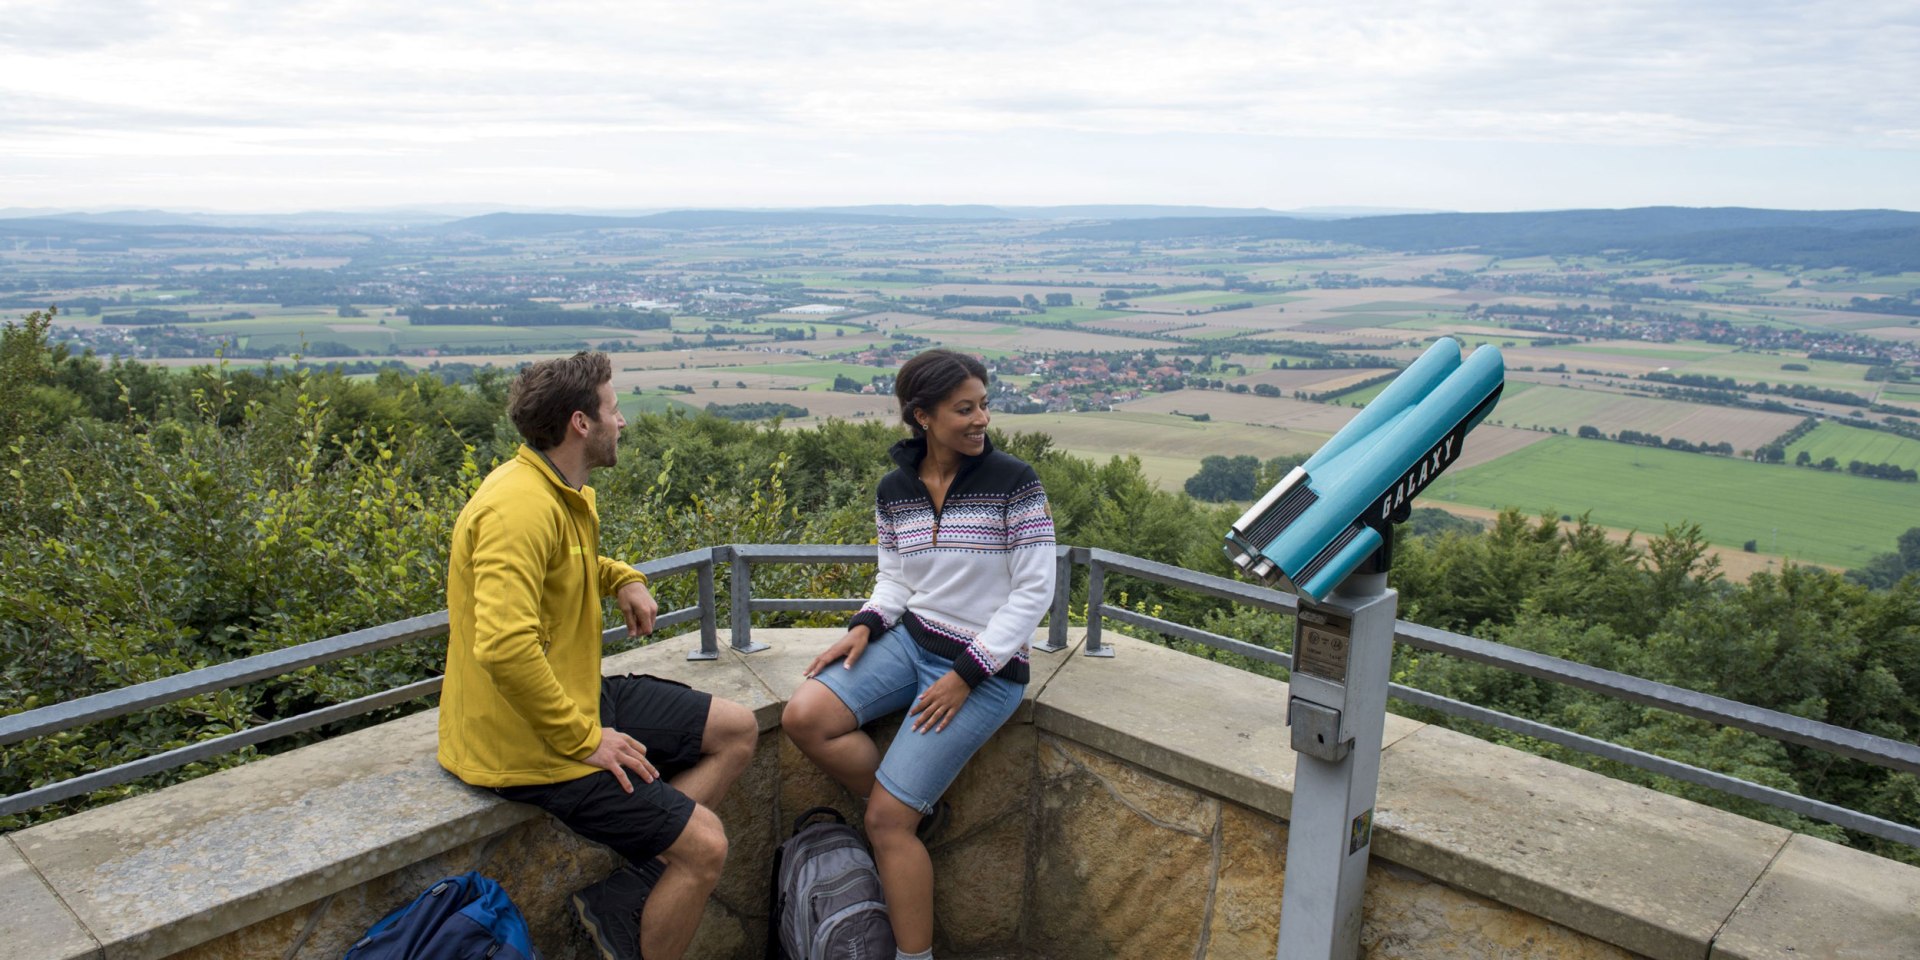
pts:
[1325, 533]
[1336, 711]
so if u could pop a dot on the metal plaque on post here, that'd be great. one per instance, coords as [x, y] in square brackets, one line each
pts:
[1321, 644]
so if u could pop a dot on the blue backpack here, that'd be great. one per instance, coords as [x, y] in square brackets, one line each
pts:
[467, 917]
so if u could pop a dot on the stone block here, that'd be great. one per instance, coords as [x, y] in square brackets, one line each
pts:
[1110, 841]
[1410, 917]
[1245, 923]
[540, 864]
[980, 887]
[326, 928]
[748, 814]
[1820, 899]
[1653, 873]
[34, 924]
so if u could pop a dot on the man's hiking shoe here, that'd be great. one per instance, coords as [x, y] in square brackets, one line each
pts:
[933, 823]
[610, 909]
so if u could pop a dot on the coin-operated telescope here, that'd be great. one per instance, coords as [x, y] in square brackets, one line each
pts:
[1321, 521]
[1325, 532]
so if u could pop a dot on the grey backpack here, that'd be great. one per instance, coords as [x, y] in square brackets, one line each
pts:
[827, 903]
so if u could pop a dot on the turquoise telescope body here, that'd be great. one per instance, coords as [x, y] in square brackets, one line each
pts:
[1320, 522]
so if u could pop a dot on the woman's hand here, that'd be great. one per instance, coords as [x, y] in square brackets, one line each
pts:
[848, 647]
[938, 705]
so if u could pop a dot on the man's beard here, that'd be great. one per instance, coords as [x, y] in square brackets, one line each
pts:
[604, 452]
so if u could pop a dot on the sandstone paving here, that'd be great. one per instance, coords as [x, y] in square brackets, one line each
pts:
[1822, 899]
[156, 873]
[1221, 730]
[34, 923]
[1653, 873]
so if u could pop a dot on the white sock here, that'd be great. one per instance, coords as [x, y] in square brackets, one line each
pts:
[926, 954]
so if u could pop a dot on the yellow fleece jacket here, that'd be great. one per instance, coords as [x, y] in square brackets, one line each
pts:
[521, 700]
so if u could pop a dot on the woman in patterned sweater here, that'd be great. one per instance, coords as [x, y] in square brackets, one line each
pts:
[966, 572]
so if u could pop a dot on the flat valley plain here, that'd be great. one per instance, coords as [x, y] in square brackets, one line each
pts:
[1170, 351]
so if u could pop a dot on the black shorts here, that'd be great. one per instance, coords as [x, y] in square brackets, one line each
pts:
[669, 719]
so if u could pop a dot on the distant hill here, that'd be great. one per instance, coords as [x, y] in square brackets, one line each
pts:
[505, 225]
[96, 228]
[1101, 211]
[1881, 241]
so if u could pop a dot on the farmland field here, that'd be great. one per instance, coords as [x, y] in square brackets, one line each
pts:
[1569, 410]
[1846, 444]
[1805, 514]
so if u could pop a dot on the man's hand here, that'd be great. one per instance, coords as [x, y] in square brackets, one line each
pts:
[617, 751]
[847, 648]
[638, 606]
[939, 703]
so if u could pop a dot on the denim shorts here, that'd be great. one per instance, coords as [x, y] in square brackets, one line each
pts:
[887, 679]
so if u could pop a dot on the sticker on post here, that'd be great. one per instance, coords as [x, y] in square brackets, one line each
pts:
[1320, 644]
[1362, 832]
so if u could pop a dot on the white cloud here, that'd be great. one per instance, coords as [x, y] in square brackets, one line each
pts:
[312, 82]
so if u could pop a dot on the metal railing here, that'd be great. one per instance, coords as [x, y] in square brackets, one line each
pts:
[741, 558]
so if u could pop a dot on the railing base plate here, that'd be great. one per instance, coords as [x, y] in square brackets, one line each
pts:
[703, 655]
[752, 648]
[1105, 650]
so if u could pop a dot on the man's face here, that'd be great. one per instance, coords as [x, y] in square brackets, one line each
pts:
[603, 431]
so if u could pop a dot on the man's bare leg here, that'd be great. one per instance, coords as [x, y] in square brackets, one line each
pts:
[678, 901]
[725, 750]
[829, 734]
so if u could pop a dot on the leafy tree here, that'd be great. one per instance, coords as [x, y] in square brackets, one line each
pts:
[1224, 478]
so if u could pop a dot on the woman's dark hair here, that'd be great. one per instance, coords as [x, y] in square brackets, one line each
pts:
[546, 394]
[928, 377]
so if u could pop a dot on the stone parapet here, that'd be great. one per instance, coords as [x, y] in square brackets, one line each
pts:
[1134, 807]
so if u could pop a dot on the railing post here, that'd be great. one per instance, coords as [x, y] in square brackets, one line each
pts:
[1096, 607]
[709, 627]
[1062, 595]
[739, 601]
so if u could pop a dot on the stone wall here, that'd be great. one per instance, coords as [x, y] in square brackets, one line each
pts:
[1133, 807]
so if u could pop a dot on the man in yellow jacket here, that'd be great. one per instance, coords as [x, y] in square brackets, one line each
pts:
[636, 763]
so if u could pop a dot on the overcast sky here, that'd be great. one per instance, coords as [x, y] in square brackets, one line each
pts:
[1451, 104]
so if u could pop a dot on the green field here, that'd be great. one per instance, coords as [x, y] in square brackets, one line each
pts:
[1846, 444]
[1069, 315]
[632, 404]
[1804, 514]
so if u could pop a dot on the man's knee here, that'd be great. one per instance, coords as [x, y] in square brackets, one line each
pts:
[702, 845]
[731, 728]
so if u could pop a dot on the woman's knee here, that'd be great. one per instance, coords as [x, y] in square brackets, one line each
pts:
[815, 714]
[887, 816]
